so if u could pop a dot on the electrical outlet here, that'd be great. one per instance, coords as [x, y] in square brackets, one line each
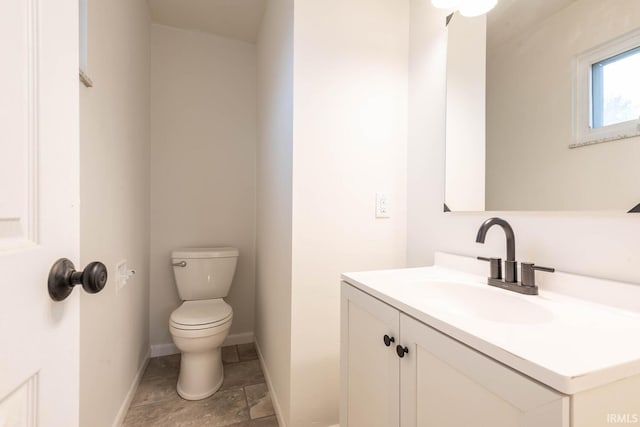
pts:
[382, 205]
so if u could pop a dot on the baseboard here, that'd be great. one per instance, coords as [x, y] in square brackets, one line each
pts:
[274, 397]
[124, 408]
[159, 350]
[235, 339]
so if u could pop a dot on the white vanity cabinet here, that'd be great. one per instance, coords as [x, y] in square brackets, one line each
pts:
[446, 384]
[370, 370]
[439, 382]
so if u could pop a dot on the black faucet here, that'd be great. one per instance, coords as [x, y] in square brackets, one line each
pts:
[510, 265]
[510, 282]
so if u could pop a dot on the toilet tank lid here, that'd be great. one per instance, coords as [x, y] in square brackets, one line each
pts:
[192, 253]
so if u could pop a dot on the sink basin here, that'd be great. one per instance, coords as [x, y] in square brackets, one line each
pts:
[488, 304]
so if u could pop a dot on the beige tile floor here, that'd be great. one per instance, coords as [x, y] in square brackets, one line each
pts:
[242, 401]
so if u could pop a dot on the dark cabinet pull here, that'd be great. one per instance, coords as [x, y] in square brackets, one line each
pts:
[401, 351]
[63, 277]
[388, 340]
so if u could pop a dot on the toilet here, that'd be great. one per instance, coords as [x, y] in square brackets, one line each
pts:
[201, 324]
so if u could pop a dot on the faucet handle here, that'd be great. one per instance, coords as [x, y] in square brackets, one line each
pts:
[528, 272]
[495, 264]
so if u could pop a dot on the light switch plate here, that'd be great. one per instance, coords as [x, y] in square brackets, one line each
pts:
[382, 205]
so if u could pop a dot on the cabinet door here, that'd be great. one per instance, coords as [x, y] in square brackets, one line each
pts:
[447, 384]
[370, 371]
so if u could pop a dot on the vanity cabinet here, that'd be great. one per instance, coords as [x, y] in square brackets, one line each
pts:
[370, 370]
[446, 384]
[399, 372]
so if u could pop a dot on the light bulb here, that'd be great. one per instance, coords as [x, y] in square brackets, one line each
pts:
[445, 4]
[470, 8]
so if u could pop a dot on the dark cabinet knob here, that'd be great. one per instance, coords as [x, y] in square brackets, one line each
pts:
[388, 340]
[401, 351]
[63, 277]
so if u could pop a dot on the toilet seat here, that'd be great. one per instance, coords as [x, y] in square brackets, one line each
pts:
[201, 314]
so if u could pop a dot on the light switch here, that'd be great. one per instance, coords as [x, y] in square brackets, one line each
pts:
[382, 205]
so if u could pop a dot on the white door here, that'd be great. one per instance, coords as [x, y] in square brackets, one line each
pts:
[39, 191]
[369, 364]
[446, 384]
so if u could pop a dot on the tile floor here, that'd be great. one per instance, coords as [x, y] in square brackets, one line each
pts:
[242, 401]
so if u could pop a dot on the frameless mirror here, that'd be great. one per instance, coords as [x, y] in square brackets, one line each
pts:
[543, 107]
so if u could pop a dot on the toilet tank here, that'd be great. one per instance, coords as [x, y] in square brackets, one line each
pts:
[204, 273]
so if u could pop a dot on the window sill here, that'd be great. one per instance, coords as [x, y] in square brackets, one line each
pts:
[630, 129]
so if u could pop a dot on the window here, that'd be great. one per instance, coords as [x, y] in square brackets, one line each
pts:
[615, 89]
[608, 92]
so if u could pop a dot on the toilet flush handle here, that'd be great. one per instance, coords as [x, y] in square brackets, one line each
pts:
[180, 264]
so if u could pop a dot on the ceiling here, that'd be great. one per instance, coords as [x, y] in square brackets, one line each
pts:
[236, 19]
[512, 17]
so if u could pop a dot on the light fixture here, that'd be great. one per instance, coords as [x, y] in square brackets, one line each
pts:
[468, 8]
[472, 8]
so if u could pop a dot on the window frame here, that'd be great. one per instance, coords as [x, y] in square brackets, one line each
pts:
[584, 134]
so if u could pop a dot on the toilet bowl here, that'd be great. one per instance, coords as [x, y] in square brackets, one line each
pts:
[201, 323]
[198, 329]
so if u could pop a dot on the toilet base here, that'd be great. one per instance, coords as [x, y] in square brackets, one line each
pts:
[201, 374]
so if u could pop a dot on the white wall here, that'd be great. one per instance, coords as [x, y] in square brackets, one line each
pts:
[349, 142]
[597, 245]
[114, 161]
[530, 86]
[203, 154]
[274, 175]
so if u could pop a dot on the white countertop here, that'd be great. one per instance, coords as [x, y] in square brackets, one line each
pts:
[568, 341]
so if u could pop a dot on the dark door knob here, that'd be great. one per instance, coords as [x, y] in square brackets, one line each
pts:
[401, 350]
[63, 277]
[388, 340]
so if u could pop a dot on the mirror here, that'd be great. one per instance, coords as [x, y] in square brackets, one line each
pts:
[522, 133]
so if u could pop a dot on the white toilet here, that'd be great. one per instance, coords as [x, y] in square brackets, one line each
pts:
[201, 324]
